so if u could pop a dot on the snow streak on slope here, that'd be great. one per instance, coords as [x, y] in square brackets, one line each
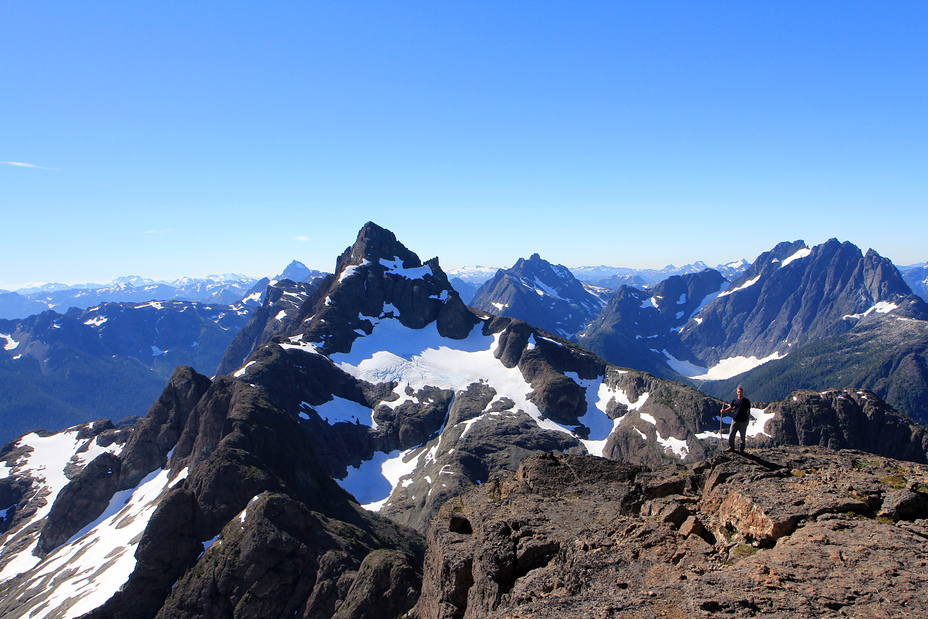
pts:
[84, 573]
[802, 253]
[746, 284]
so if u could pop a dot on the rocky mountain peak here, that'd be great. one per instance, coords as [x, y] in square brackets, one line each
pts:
[543, 294]
[792, 295]
[770, 261]
[373, 245]
[298, 272]
[378, 278]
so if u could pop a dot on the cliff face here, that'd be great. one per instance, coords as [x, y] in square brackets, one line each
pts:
[788, 532]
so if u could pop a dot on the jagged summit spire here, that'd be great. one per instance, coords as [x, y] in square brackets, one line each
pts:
[373, 244]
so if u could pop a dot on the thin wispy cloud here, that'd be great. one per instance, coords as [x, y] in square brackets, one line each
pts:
[20, 164]
[304, 239]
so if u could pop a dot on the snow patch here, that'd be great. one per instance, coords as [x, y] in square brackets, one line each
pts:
[882, 307]
[296, 343]
[340, 410]
[10, 342]
[351, 270]
[726, 368]
[396, 266]
[676, 446]
[374, 480]
[155, 304]
[420, 358]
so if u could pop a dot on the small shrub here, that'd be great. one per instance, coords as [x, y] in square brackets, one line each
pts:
[896, 480]
[743, 551]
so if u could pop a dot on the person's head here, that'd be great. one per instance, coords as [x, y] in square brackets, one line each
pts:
[740, 392]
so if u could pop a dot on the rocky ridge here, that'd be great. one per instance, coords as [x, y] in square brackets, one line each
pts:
[280, 304]
[224, 484]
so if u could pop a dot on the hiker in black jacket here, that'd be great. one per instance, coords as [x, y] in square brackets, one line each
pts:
[740, 409]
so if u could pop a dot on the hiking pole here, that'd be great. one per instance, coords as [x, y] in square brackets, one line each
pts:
[721, 440]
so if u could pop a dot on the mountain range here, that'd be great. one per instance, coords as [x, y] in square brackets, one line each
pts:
[226, 289]
[798, 317]
[464, 435]
[109, 361]
[916, 276]
[615, 277]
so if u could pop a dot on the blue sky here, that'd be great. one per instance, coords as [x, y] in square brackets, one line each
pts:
[174, 138]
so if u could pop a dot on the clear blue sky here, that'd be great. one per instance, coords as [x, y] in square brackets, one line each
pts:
[186, 138]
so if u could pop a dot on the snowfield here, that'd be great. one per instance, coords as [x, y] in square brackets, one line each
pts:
[421, 357]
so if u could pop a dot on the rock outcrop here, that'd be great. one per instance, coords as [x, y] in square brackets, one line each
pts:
[782, 532]
[847, 418]
[242, 479]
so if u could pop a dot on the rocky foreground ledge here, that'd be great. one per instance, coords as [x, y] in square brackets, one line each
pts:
[783, 532]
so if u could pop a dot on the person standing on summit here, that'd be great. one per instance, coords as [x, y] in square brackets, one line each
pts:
[740, 409]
